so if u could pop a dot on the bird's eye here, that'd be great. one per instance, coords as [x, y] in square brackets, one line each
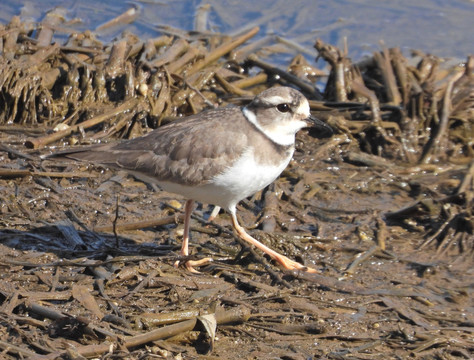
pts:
[283, 107]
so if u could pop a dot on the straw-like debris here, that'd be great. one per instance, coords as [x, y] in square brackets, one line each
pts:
[383, 208]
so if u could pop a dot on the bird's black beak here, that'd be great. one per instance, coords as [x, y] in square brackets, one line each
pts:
[323, 129]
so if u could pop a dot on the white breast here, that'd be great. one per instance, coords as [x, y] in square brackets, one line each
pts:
[244, 178]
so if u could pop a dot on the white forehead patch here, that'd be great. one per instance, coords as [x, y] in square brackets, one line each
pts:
[304, 108]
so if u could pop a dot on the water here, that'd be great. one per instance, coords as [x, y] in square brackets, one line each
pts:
[442, 28]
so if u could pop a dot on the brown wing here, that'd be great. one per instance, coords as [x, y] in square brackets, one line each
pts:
[189, 151]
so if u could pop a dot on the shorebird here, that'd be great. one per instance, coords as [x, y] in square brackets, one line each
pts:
[219, 156]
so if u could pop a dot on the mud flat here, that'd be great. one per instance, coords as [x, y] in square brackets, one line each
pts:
[383, 209]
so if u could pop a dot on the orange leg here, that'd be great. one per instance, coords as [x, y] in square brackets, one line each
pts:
[214, 213]
[188, 209]
[281, 259]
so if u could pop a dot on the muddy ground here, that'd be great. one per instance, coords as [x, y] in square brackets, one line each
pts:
[383, 209]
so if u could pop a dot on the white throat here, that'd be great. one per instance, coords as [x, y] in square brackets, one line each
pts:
[282, 135]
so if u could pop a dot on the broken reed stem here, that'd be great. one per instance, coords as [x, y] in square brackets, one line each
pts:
[384, 64]
[126, 17]
[361, 258]
[231, 88]
[141, 224]
[238, 315]
[360, 88]
[304, 86]
[221, 51]
[13, 173]
[10, 348]
[48, 139]
[467, 182]
[433, 145]
[250, 81]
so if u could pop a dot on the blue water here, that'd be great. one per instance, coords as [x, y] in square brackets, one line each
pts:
[443, 28]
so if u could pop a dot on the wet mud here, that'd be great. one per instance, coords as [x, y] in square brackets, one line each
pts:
[383, 208]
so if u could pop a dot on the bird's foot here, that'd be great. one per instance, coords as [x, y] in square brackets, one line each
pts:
[190, 264]
[285, 262]
[289, 264]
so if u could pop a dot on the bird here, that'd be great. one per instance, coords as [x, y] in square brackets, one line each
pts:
[219, 156]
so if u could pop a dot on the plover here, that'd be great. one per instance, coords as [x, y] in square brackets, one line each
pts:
[219, 156]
